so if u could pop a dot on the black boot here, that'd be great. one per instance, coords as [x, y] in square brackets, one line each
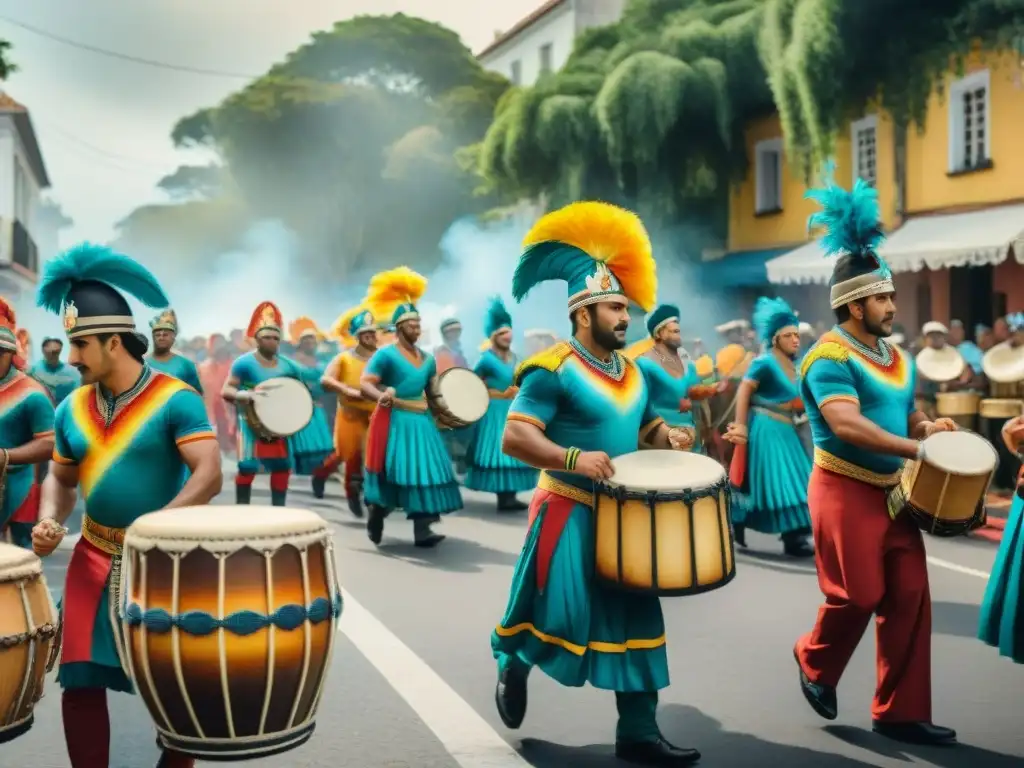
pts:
[739, 532]
[375, 523]
[510, 695]
[354, 496]
[424, 536]
[277, 498]
[243, 494]
[795, 544]
[822, 698]
[507, 502]
[915, 733]
[657, 753]
[319, 486]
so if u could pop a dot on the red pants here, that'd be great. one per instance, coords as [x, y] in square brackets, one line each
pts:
[869, 564]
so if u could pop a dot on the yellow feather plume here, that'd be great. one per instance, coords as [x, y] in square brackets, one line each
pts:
[607, 234]
[339, 330]
[634, 350]
[485, 345]
[394, 287]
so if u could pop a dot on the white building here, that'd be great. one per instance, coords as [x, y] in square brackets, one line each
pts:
[542, 42]
[22, 177]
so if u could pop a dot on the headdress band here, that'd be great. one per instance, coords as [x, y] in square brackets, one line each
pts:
[663, 323]
[860, 287]
[90, 326]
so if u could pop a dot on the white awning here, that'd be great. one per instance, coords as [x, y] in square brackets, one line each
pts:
[971, 239]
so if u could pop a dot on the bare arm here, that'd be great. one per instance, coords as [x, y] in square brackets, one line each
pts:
[203, 460]
[59, 492]
[917, 425]
[529, 444]
[746, 391]
[231, 391]
[332, 383]
[369, 388]
[35, 451]
[849, 425]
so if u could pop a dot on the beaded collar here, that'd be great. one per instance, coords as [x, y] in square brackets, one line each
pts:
[882, 355]
[613, 369]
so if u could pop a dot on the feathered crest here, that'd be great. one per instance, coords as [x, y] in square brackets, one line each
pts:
[8, 316]
[851, 219]
[770, 316]
[394, 287]
[606, 233]
[88, 261]
[497, 317]
[340, 328]
[303, 326]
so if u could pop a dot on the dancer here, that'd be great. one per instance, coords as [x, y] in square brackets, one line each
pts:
[124, 438]
[343, 377]
[312, 446]
[490, 469]
[771, 465]
[26, 438]
[407, 466]
[859, 394]
[164, 328]
[213, 373]
[57, 377]
[581, 404]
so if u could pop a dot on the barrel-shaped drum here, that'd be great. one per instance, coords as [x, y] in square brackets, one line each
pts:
[662, 525]
[229, 616]
[28, 638]
[961, 407]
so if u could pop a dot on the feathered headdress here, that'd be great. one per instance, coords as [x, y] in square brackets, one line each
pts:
[661, 317]
[351, 323]
[394, 294]
[1015, 321]
[85, 282]
[303, 326]
[771, 316]
[266, 317]
[602, 251]
[497, 319]
[165, 321]
[8, 316]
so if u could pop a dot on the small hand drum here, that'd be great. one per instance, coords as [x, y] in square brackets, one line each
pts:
[282, 408]
[461, 398]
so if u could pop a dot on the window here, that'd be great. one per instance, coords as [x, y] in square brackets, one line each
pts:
[768, 175]
[864, 137]
[969, 110]
[545, 58]
[516, 73]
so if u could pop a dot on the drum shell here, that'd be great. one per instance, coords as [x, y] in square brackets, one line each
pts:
[1000, 408]
[961, 407]
[27, 640]
[944, 503]
[1002, 390]
[226, 696]
[670, 544]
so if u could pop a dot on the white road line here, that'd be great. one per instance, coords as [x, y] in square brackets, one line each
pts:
[467, 737]
[755, 561]
[958, 568]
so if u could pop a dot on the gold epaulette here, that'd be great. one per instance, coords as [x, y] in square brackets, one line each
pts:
[827, 350]
[549, 359]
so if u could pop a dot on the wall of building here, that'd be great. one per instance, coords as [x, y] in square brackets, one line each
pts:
[597, 13]
[557, 28]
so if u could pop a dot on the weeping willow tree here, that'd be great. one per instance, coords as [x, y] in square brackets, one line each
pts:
[648, 112]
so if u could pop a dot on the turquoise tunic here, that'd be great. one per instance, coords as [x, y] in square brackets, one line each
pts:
[667, 390]
[178, 366]
[778, 464]
[60, 380]
[418, 475]
[127, 451]
[573, 628]
[250, 372]
[26, 413]
[490, 470]
[311, 445]
[1002, 611]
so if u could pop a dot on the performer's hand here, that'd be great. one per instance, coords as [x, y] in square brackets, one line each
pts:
[722, 386]
[685, 405]
[1013, 433]
[682, 438]
[387, 397]
[939, 425]
[736, 434]
[47, 535]
[596, 465]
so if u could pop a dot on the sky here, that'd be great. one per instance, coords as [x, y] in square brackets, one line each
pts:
[104, 124]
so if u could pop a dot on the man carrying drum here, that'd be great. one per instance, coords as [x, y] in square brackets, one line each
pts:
[580, 405]
[859, 393]
[126, 438]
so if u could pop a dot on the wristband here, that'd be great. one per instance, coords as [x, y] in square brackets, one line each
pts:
[572, 455]
[920, 451]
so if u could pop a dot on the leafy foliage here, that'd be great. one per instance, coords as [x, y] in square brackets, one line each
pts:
[7, 66]
[194, 181]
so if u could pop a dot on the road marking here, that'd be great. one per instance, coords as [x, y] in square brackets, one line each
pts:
[467, 737]
[773, 565]
[958, 568]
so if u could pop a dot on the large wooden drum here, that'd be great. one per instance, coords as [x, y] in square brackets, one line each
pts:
[229, 617]
[28, 638]
[662, 525]
[961, 407]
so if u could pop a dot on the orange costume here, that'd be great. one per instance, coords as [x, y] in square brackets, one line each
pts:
[213, 373]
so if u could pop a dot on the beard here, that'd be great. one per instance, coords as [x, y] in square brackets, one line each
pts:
[876, 329]
[606, 338]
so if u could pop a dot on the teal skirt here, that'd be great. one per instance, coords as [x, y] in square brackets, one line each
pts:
[573, 629]
[418, 477]
[311, 445]
[778, 469]
[491, 470]
[1002, 611]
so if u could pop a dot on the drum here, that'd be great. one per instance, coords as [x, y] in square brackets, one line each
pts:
[1006, 390]
[940, 365]
[945, 491]
[460, 399]
[994, 412]
[229, 618]
[28, 638]
[661, 525]
[961, 407]
[285, 408]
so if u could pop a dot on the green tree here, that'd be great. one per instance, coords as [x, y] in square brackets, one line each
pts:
[7, 67]
[189, 182]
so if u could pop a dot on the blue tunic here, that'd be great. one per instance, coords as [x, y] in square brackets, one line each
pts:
[417, 476]
[178, 366]
[250, 370]
[490, 469]
[311, 445]
[60, 380]
[778, 464]
[667, 390]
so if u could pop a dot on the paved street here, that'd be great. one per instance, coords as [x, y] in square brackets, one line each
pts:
[412, 682]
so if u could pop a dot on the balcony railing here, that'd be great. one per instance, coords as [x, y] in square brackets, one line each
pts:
[24, 252]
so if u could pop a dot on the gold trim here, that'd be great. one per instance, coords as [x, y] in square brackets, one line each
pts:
[827, 461]
[772, 414]
[579, 650]
[103, 537]
[526, 419]
[552, 484]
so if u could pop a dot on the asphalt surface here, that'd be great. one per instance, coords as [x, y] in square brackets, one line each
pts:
[412, 679]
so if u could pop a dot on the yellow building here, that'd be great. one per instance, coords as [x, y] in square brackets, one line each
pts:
[956, 239]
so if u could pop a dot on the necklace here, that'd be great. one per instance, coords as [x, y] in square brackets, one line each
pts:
[669, 361]
[612, 368]
[882, 355]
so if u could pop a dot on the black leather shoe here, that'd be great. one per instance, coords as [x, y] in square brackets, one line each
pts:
[510, 696]
[798, 547]
[243, 494]
[507, 502]
[375, 524]
[739, 533]
[822, 698]
[660, 753]
[319, 486]
[429, 541]
[354, 497]
[915, 733]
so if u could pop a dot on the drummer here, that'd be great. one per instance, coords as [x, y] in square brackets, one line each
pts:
[581, 404]
[164, 330]
[937, 346]
[858, 390]
[130, 467]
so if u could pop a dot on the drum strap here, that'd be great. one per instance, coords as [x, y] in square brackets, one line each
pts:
[103, 537]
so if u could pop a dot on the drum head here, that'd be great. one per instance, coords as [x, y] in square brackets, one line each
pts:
[464, 393]
[18, 562]
[665, 471]
[286, 407]
[940, 364]
[960, 453]
[1004, 364]
[213, 523]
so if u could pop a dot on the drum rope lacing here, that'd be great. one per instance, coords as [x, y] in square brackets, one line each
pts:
[200, 623]
[42, 632]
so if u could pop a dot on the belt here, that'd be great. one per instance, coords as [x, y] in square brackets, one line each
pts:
[103, 537]
[413, 406]
[552, 484]
[827, 461]
[502, 394]
[789, 419]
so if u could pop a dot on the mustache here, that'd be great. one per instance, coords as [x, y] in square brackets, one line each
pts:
[621, 327]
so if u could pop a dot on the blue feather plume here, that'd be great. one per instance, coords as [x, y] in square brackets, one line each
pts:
[770, 316]
[850, 218]
[497, 316]
[549, 260]
[88, 261]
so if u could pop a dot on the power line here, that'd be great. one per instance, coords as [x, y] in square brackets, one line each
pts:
[51, 128]
[125, 56]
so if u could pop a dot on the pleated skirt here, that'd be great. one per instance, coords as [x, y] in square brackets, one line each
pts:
[491, 470]
[1001, 623]
[311, 445]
